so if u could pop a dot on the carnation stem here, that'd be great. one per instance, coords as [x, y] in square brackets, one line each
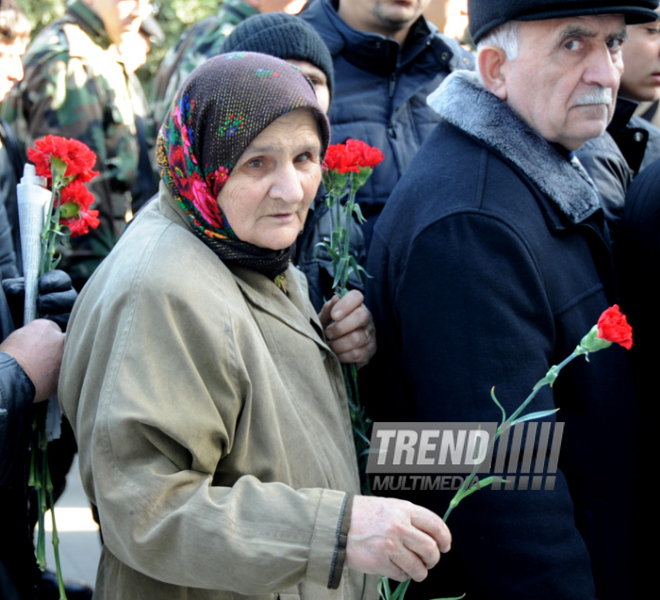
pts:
[467, 487]
[55, 537]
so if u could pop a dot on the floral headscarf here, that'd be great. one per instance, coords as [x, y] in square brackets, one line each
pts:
[220, 109]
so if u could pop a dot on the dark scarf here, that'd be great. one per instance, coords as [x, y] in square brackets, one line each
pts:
[220, 109]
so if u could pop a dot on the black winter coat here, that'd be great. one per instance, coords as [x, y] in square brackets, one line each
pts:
[17, 566]
[489, 264]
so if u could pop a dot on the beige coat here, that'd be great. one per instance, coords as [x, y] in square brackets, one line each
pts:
[212, 423]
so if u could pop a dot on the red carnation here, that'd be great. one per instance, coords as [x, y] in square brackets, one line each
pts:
[86, 220]
[76, 193]
[367, 156]
[81, 161]
[341, 159]
[77, 157]
[75, 200]
[43, 151]
[352, 156]
[613, 327]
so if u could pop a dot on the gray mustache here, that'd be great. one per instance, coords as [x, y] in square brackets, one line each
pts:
[599, 96]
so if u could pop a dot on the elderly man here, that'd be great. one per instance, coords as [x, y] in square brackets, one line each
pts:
[490, 262]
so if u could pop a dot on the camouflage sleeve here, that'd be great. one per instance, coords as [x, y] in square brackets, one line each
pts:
[179, 62]
[200, 42]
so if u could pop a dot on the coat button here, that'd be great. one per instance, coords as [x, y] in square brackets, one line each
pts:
[391, 132]
[444, 56]
[639, 136]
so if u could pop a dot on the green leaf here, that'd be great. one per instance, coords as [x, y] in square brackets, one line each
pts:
[486, 482]
[58, 168]
[355, 268]
[358, 214]
[339, 273]
[400, 590]
[384, 589]
[334, 255]
[534, 416]
[492, 395]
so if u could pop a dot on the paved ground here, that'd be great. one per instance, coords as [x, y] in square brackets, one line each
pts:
[80, 545]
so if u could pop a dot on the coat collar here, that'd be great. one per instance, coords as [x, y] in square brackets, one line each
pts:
[292, 309]
[462, 101]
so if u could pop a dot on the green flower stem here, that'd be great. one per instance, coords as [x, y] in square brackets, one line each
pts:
[467, 488]
[39, 472]
[56, 539]
[549, 379]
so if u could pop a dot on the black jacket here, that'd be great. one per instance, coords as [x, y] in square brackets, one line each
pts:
[380, 93]
[615, 158]
[490, 262]
[17, 566]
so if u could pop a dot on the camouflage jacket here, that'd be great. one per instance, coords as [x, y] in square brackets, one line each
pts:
[75, 87]
[201, 41]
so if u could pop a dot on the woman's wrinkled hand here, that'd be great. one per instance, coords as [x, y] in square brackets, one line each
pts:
[349, 328]
[394, 538]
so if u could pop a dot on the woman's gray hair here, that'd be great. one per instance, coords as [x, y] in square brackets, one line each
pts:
[504, 36]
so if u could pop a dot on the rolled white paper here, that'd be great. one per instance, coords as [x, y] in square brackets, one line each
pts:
[33, 202]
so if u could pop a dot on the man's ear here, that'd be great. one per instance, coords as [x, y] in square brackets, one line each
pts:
[490, 62]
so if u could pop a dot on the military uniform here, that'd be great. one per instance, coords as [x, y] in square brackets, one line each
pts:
[75, 87]
[201, 41]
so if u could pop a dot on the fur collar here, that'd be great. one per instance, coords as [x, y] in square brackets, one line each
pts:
[462, 101]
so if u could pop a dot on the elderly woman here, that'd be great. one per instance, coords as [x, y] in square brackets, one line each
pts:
[207, 401]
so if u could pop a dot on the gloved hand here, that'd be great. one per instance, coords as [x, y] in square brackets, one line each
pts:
[54, 302]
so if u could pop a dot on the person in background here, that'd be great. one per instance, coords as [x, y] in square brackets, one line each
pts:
[200, 42]
[133, 49]
[75, 87]
[641, 82]
[387, 59]
[291, 39]
[630, 143]
[15, 31]
[490, 262]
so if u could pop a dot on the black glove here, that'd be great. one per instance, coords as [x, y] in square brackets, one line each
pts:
[55, 301]
[56, 297]
[14, 289]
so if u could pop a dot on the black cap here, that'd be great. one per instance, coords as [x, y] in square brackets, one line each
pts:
[284, 36]
[485, 15]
